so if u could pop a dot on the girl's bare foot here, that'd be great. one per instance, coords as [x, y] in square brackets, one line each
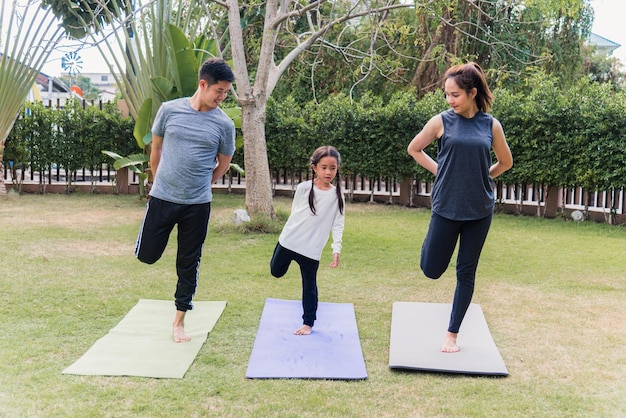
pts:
[449, 345]
[303, 330]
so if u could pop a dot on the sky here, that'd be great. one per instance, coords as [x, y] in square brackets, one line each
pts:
[92, 61]
[609, 23]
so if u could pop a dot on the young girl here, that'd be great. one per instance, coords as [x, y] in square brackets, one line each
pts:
[462, 196]
[316, 211]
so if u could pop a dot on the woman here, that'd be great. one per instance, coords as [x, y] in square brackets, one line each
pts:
[462, 195]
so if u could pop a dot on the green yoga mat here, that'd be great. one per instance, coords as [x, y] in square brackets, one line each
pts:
[141, 343]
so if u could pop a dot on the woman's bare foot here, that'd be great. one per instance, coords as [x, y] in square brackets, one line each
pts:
[178, 328]
[449, 345]
[303, 330]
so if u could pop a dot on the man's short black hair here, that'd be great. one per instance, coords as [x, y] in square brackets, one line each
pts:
[215, 70]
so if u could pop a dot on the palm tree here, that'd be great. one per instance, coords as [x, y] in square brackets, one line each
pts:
[32, 33]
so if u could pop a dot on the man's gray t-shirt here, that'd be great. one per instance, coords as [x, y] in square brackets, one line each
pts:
[191, 142]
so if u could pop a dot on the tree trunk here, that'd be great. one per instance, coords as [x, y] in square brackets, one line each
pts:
[253, 99]
[3, 139]
[427, 75]
[3, 189]
[258, 178]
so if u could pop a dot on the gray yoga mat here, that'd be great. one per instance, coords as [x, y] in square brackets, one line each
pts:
[417, 333]
[141, 343]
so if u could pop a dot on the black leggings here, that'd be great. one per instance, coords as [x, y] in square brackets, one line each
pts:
[437, 251]
[279, 264]
[158, 222]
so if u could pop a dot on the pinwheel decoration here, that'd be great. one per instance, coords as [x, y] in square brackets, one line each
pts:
[72, 63]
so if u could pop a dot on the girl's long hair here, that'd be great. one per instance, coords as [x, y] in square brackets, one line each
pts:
[318, 154]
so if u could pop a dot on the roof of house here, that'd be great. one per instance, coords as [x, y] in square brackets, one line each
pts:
[43, 81]
[603, 44]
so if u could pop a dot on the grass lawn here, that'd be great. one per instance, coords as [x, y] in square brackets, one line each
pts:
[553, 294]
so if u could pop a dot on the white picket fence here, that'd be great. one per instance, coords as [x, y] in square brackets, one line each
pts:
[576, 198]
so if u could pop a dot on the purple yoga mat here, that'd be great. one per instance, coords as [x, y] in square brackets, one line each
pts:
[332, 351]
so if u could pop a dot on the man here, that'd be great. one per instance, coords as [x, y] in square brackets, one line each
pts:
[193, 142]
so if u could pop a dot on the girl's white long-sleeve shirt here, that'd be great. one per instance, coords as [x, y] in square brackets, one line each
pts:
[306, 233]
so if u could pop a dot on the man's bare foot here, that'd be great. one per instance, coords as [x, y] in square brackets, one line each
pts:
[303, 330]
[178, 333]
[449, 345]
[178, 328]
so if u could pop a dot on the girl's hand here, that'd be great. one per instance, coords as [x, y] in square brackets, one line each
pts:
[335, 262]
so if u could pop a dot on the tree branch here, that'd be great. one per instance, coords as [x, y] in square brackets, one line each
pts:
[314, 36]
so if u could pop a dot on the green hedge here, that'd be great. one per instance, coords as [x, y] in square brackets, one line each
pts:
[575, 137]
[565, 138]
[71, 137]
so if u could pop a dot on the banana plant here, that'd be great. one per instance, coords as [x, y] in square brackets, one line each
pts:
[186, 57]
[136, 163]
[150, 39]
